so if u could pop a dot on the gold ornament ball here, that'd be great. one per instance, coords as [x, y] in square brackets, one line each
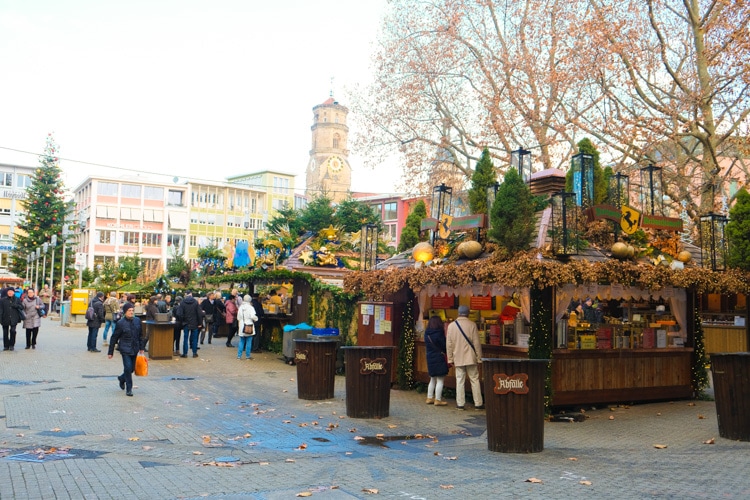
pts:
[620, 250]
[684, 256]
[423, 252]
[470, 249]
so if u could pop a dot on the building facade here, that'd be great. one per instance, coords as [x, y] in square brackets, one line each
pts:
[14, 179]
[328, 170]
[278, 186]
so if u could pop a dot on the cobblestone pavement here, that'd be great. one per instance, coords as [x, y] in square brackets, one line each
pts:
[218, 427]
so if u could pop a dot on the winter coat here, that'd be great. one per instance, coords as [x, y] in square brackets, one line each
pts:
[99, 315]
[231, 309]
[434, 342]
[151, 311]
[175, 311]
[208, 308]
[246, 316]
[9, 311]
[128, 337]
[31, 308]
[190, 314]
[459, 351]
[111, 306]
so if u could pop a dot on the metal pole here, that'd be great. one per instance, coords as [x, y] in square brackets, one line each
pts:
[52, 270]
[62, 277]
[44, 268]
[36, 274]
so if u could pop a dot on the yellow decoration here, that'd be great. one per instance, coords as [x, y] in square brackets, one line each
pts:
[684, 256]
[620, 250]
[630, 220]
[329, 233]
[444, 226]
[470, 249]
[423, 252]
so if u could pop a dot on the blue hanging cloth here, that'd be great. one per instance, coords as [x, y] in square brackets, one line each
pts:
[241, 257]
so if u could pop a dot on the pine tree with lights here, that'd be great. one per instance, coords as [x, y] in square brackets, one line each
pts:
[45, 211]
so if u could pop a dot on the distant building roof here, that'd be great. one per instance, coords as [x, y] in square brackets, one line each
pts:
[550, 172]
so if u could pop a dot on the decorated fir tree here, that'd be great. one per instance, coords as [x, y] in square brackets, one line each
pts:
[738, 232]
[482, 178]
[512, 216]
[410, 233]
[44, 211]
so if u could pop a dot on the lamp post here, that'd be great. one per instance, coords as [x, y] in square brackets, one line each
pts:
[45, 249]
[491, 196]
[521, 160]
[53, 242]
[713, 241]
[619, 189]
[651, 190]
[65, 232]
[36, 273]
[442, 197]
[368, 247]
[28, 265]
[564, 224]
[582, 165]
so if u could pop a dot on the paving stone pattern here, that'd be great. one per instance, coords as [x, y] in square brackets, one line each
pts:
[218, 427]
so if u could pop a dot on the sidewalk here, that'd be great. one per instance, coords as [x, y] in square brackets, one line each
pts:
[219, 427]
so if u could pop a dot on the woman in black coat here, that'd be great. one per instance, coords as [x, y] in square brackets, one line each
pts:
[437, 361]
[130, 342]
[10, 316]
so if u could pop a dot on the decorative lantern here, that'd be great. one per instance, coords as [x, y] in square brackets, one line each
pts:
[521, 160]
[563, 224]
[368, 247]
[619, 189]
[713, 241]
[651, 190]
[423, 252]
[491, 195]
[442, 197]
[582, 165]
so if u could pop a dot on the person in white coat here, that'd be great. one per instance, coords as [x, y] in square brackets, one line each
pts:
[246, 317]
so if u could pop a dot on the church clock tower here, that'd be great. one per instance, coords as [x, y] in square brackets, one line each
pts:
[328, 170]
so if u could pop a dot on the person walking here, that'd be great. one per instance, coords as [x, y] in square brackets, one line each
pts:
[231, 318]
[33, 308]
[437, 360]
[111, 307]
[207, 305]
[10, 316]
[465, 353]
[246, 317]
[94, 323]
[130, 342]
[190, 315]
[258, 326]
[177, 324]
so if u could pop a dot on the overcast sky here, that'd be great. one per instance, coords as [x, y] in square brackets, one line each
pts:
[199, 88]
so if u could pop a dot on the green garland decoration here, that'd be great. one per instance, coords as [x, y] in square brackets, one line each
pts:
[700, 360]
[405, 371]
[540, 337]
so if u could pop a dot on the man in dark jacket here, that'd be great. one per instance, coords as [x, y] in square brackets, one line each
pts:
[97, 303]
[258, 324]
[10, 316]
[130, 342]
[209, 311]
[190, 315]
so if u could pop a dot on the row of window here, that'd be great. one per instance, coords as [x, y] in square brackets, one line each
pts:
[203, 241]
[388, 211]
[128, 213]
[232, 221]
[174, 197]
[216, 200]
[134, 238]
[22, 180]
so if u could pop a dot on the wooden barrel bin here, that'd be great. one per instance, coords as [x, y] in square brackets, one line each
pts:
[514, 398]
[368, 381]
[731, 376]
[316, 368]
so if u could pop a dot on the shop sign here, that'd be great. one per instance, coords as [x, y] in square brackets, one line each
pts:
[9, 193]
[481, 303]
[444, 228]
[517, 383]
[443, 301]
[630, 219]
[368, 366]
[661, 223]
[604, 212]
[449, 223]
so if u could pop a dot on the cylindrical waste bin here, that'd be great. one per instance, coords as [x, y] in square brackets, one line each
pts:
[316, 368]
[731, 375]
[368, 381]
[514, 398]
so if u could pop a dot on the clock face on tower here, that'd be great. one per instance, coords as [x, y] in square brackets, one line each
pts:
[335, 164]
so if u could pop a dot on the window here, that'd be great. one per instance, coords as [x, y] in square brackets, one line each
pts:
[176, 242]
[6, 179]
[151, 239]
[4, 211]
[153, 193]
[129, 238]
[193, 240]
[131, 191]
[107, 188]
[211, 219]
[280, 185]
[105, 212]
[336, 141]
[130, 213]
[253, 205]
[153, 215]
[105, 237]
[174, 198]
[378, 209]
[279, 203]
[390, 211]
[23, 181]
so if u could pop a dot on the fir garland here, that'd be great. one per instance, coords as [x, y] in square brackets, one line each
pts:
[700, 360]
[540, 337]
[405, 371]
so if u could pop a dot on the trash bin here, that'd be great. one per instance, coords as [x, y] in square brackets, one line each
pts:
[316, 367]
[65, 313]
[368, 381]
[731, 375]
[288, 343]
[514, 398]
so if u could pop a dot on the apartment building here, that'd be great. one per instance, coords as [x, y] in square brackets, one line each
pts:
[279, 186]
[14, 179]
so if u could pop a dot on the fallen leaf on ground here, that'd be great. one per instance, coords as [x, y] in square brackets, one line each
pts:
[611, 417]
[372, 491]
[206, 439]
[56, 429]
[134, 439]
[263, 463]
[701, 417]
[533, 480]
[303, 446]
[446, 486]
[286, 421]
[289, 460]
[147, 448]
[197, 453]
[359, 438]
[284, 390]
[379, 436]
[450, 458]
[691, 404]
[573, 459]
[353, 429]
[585, 483]
[304, 494]
[710, 441]
[660, 446]
[392, 426]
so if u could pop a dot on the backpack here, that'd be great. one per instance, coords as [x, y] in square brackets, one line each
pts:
[90, 314]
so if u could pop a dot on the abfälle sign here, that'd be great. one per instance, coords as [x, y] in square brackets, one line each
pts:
[517, 384]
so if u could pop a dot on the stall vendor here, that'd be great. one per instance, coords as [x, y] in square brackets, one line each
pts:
[511, 309]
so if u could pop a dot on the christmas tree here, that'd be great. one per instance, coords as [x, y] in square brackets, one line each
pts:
[45, 212]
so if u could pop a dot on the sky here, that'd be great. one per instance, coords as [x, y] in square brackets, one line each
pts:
[189, 88]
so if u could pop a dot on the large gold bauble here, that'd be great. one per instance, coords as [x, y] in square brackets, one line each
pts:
[684, 256]
[620, 250]
[423, 252]
[470, 249]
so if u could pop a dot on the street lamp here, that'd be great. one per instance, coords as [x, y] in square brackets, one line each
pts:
[442, 197]
[368, 247]
[53, 242]
[28, 265]
[65, 233]
[491, 196]
[563, 224]
[36, 273]
[582, 166]
[45, 249]
[651, 189]
[619, 189]
[521, 160]
[713, 241]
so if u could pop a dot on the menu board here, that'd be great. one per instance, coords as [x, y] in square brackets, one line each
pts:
[481, 303]
[443, 301]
